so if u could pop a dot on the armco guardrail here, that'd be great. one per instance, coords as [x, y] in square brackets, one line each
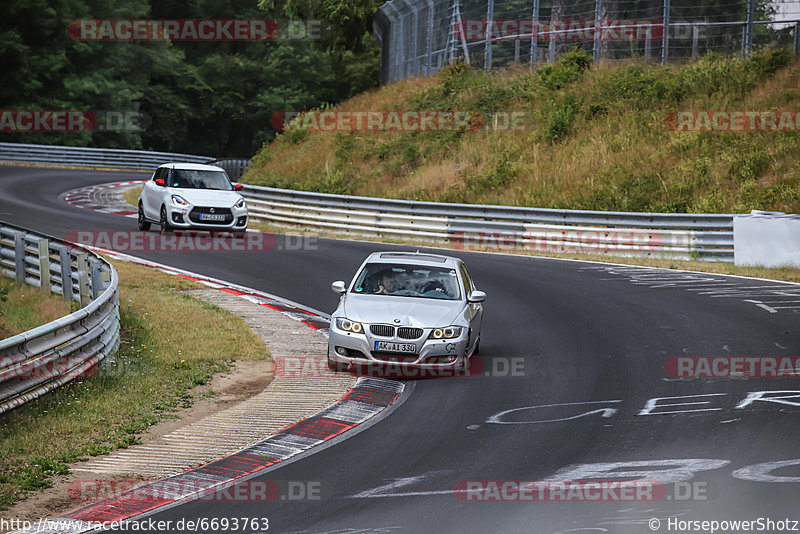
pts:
[92, 157]
[667, 235]
[42, 359]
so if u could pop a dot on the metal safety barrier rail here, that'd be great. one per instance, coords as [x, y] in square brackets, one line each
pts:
[44, 358]
[92, 157]
[707, 237]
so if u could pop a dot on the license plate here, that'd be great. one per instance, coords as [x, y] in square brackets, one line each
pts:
[211, 217]
[388, 346]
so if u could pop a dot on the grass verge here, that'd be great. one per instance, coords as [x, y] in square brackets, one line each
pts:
[131, 195]
[25, 307]
[171, 344]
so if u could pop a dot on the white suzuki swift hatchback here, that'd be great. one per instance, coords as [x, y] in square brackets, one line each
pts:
[190, 196]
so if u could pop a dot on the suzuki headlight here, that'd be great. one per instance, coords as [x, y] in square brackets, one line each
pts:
[179, 200]
[349, 326]
[447, 332]
[239, 204]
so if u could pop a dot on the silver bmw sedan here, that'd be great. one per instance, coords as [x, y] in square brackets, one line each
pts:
[406, 311]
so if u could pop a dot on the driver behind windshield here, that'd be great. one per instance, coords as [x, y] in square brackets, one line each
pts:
[388, 284]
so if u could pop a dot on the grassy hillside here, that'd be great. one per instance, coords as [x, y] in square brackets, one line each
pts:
[597, 140]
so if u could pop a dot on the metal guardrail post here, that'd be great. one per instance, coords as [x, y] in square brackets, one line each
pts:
[95, 281]
[83, 279]
[44, 265]
[105, 278]
[66, 273]
[19, 257]
[79, 341]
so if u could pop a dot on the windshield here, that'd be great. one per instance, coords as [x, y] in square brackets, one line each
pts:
[187, 179]
[408, 281]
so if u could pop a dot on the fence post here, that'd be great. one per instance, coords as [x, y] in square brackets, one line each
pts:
[598, 23]
[44, 265]
[429, 38]
[414, 50]
[695, 39]
[665, 37]
[535, 32]
[487, 55]
[83, 279]
[19, 257]
[744, 40]
[797, 38]
[750, 14]
[66, 274]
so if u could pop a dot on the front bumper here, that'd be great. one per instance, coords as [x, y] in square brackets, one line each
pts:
[430, 354]
[188, 217]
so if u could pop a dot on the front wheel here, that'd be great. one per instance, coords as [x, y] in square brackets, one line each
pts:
[143, 224]
[165, 227]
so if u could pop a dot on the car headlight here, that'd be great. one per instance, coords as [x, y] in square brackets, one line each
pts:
[239, 204]
[447, 332]
[179, 200]
[349, 326]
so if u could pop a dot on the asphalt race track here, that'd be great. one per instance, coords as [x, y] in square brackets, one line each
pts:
[587, 345]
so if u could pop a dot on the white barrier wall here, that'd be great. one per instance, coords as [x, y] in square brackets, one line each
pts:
[766, 239]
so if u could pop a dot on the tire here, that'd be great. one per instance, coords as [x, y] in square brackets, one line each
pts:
[477, 347]
[164, 222]
[143, 224]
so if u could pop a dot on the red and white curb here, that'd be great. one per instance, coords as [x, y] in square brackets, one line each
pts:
[366, 399]
[84, 198]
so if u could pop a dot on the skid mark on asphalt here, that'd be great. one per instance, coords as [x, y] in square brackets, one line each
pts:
[770, 296]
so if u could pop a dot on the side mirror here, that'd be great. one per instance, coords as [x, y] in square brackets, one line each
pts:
[338, 287]
[161, 182]
[476, 296]
[238, 187]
